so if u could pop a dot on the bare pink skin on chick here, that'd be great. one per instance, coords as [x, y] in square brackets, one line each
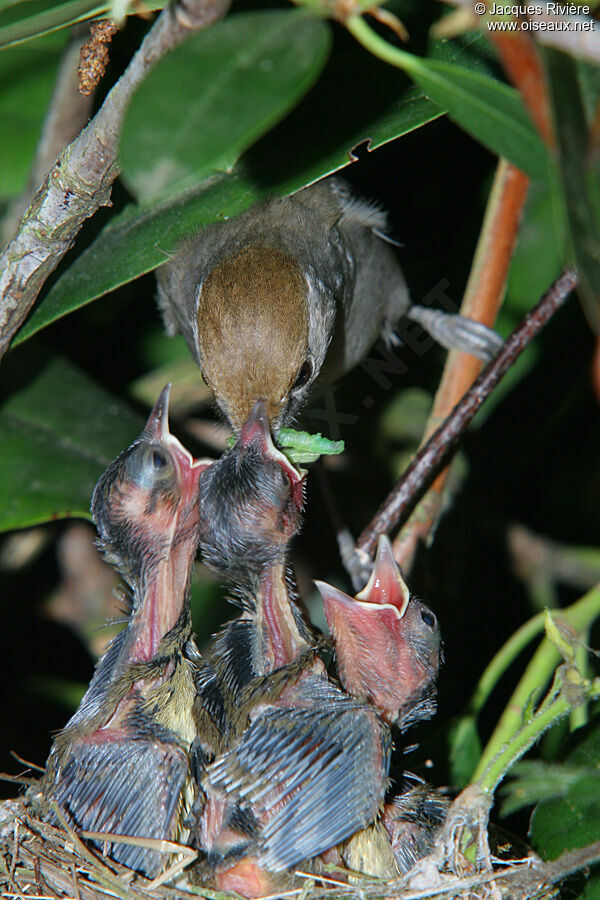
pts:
[387, 644]
[169, 521]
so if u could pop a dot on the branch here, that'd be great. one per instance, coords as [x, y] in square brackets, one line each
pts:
[67, 114]
[81, 179]
[441, 445]
[482, 300]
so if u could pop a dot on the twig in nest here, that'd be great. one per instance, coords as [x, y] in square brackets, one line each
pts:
[442, 443]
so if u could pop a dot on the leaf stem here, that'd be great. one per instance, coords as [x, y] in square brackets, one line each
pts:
[379, 47]
[536, 676]
[555, 707]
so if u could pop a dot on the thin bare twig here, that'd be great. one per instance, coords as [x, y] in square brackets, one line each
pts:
[482, 300]
[441, 445]
[81, 180]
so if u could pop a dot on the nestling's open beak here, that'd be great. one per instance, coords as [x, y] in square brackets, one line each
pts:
[157, 429]
[386, 585]
[256, 430]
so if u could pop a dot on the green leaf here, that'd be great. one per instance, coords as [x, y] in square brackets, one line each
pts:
[210, 99]
[26, 80]
[59, 431]
[41, 18]
[490, 111]
[139, 239]
[541, 249]
[465, 750]
[573, 819]
[533, 780]
[579, 177]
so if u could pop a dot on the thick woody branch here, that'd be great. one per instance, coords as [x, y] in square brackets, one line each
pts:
[67, 114]
[441, 445]
[81, 179]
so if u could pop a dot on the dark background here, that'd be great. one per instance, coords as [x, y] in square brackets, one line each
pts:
[532, 460]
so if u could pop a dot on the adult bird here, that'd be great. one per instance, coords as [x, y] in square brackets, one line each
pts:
[293, 292]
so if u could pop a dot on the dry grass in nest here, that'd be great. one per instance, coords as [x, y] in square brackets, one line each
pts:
[42, 862]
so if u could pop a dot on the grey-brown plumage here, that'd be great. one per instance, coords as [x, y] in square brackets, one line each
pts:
[293, 289]
[122, 763]
[404, 833]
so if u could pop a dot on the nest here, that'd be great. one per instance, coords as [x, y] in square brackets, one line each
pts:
[42, 862]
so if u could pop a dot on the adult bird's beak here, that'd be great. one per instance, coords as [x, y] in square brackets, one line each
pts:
[256, 430]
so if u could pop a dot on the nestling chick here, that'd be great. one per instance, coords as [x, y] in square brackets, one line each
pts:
[309, 770]
[122, 763]
[404, 833]
[264, 298]
[304, 765]
[387, 643]
[251, 503]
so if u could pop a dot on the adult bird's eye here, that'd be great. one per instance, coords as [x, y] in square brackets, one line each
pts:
[428, 617]
[304, 374]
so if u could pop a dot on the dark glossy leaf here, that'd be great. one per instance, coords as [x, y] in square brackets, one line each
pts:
[579, 177]
[22, 22]
[139, 239]
[210, 99]
[573, 820]
[59, 432]
[26, 80]
[471, 50]
[489, 110]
